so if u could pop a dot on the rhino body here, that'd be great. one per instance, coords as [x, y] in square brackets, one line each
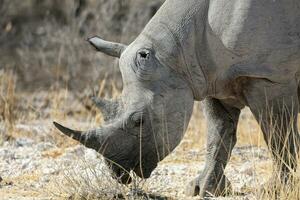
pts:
[228, 54]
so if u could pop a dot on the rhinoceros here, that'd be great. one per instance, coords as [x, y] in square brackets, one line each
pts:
[227, 53]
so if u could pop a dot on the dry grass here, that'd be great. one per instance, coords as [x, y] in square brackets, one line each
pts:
[96, 183]
[7, 98]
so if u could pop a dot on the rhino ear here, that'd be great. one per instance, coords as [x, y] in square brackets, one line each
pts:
[109, 48]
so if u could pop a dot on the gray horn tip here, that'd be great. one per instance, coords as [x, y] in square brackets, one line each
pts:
[109, 48]
[69, 132]
[93, 41]
[60, 127]
[90, 38]
[56, 124]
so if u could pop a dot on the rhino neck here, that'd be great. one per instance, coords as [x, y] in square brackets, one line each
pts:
[177, 33]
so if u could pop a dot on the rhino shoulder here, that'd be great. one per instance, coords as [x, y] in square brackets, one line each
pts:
[251, 26]
[262, 71]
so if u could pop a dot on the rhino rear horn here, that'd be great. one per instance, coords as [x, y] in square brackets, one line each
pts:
[109, 48]
[109, 108]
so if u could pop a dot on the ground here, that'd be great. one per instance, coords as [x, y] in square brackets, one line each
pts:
[37, 162]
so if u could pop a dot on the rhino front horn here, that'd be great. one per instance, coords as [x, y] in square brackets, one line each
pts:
[109, 48]
[94, 139]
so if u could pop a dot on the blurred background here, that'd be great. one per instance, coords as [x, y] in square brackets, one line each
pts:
[47, 68]
[43, 41]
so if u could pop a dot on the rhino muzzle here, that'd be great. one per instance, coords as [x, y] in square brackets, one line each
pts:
[116, 145]
[111, 145]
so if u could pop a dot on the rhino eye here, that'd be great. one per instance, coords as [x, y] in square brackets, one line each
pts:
[144, 64]
[143, 57]
[144, 54]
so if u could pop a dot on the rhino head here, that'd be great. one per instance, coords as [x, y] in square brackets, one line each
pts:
[149, 119]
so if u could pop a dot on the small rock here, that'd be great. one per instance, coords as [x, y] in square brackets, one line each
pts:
[44, 146]
[6, 154]
[45, 179]
[50, 170]
[21, 142]
[78, 150]
[90, 155]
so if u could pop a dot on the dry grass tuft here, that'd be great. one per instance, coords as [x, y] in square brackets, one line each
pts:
[89, 180]
[8, 100]
[274, 190]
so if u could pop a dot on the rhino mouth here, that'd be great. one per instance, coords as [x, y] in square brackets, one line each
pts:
[123, 174]
[141, 172]
[146, 165]
[124, 177]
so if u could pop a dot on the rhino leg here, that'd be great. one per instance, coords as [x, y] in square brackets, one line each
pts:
[275, 107]
[222, 123]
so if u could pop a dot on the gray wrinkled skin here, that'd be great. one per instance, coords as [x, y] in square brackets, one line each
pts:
[229, 53]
